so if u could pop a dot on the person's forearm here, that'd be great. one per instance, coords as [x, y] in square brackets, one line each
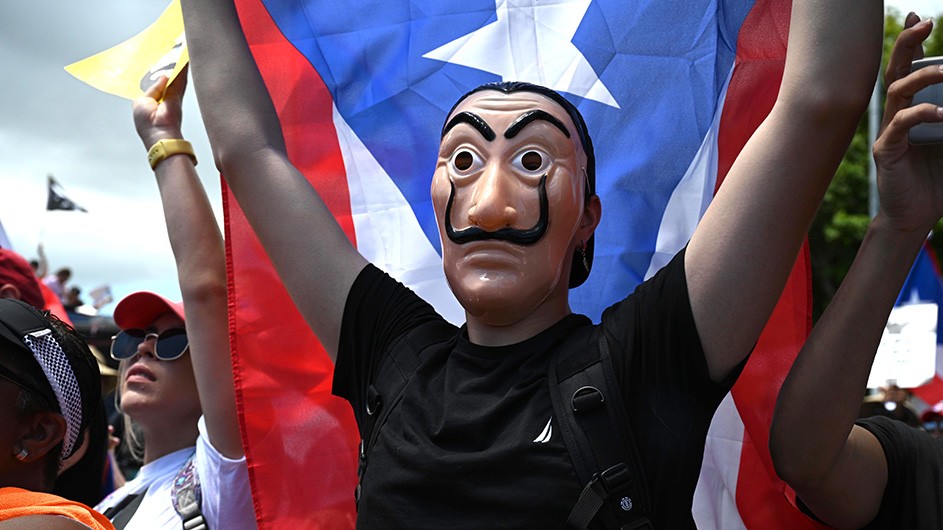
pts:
[249, 150]
[820, 398]
[194, 234]
[201, 270]
[43, 269]
[237, 111]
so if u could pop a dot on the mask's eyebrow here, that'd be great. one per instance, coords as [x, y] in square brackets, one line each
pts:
[472, 119]
[534, 115]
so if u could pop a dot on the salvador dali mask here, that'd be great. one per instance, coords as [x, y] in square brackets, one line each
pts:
[508, 195]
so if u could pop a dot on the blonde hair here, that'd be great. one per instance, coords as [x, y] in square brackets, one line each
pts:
[133, 435]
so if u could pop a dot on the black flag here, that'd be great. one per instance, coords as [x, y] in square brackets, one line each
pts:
[57, 199]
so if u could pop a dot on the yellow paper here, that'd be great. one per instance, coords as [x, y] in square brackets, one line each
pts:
[129, 68]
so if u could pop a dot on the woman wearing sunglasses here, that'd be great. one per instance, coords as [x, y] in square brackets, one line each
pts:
[175, 377]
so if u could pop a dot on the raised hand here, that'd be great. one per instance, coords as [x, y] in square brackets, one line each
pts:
[158, 113]
[910, 177]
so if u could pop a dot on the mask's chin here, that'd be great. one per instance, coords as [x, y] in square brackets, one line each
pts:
[501, 297]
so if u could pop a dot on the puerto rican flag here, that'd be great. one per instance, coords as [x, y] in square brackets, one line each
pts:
[671, 90]
[924, 285]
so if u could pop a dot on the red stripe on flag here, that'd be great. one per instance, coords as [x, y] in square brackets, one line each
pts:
[763, 501]
[932, 392]
[758, 72]
[300, 441]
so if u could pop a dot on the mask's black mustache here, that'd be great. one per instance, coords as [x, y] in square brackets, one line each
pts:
[512, 235]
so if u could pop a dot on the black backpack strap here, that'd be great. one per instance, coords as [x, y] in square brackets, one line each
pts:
[187, 497]
[389, 380]
[121, 513]
[595, 427]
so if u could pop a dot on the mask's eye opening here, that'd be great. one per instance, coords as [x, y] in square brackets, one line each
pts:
[466, 161]
[531, 161]
[463, 160]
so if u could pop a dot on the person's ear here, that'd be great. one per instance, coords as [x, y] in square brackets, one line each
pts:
[8, 290]
[592, 213]
[45, 431]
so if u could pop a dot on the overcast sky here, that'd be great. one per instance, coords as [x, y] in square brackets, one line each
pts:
[52, 123]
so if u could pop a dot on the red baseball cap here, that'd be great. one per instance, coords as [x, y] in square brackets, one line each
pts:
[138, 310]
[15, 270]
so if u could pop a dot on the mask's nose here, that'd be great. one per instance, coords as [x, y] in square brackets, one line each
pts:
[494, 201]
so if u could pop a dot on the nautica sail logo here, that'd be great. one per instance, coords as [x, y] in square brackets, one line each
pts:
[544, 435]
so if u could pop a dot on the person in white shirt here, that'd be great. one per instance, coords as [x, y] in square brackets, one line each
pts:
[175, 377]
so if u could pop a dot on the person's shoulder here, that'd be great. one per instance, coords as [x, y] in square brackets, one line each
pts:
[665, 292]
[46, 522]
[887, 426]
[901, 440]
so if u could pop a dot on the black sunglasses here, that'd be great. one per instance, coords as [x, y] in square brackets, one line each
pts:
[170, 345]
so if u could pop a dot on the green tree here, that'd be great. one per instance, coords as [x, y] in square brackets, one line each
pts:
[843, 217]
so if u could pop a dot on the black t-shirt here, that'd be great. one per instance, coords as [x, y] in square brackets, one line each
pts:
[472, 443]
[912, 497]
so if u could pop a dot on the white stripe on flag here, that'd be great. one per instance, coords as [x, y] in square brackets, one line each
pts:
[388, 234]
[715, 499]
[689, 200]
[715, 502]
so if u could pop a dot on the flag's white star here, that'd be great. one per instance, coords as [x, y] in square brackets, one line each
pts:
[531, 41]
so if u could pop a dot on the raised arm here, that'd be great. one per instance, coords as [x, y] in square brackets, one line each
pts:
[308, 249]
[741, 253]
[839, 469]
[43, 264]
[201, 264]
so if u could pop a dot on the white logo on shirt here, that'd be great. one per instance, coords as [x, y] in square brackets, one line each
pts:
[544, 435]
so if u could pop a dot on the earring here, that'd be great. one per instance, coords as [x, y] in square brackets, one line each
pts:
[583, 255]
[22, 455]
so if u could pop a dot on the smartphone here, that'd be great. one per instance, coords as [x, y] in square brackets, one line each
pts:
[928, 133]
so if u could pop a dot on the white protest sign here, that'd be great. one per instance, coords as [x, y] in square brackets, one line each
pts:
[907, 353]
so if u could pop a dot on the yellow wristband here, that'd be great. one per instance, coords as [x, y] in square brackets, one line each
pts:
[167, 147]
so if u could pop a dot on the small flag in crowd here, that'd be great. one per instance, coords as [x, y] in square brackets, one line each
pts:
[924, 283]
[57, 199]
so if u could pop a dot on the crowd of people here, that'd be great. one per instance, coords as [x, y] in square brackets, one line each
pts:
[451, 451]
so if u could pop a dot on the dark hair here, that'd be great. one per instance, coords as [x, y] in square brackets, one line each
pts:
[578, 272]
[85, 480]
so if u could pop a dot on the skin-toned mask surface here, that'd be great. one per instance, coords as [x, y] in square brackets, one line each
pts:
[511, 205]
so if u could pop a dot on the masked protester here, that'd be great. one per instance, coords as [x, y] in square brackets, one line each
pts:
[471, 439]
